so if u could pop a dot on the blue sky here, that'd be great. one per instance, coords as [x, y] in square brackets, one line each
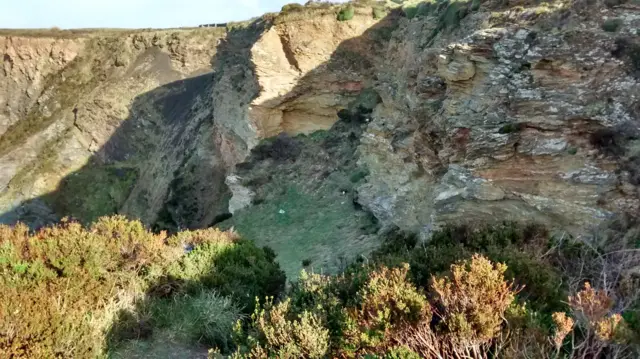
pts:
[129, 13]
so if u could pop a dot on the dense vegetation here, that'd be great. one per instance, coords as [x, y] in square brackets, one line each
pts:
[69, 291]
[450, 301]
[505, 291]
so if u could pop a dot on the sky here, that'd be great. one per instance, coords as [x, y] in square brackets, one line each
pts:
[69, 14]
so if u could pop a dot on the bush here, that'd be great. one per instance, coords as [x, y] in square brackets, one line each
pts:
[292, 7]
[519, 246]
[66, 286]
[380, 313]
[275, 332]
[280, 148]
[346, 14]
[612, 25]
[473, 300]
[60, 285]
[401, 353]
[241, 271]
[599, 330]
[378, 12]
[389, 303]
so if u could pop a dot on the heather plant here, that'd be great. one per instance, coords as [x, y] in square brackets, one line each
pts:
[528, 250]
[67, 289]
[62, 284]
[473, 299]
[377, 312]
[594, 328]
[277, 332]
[389, 304]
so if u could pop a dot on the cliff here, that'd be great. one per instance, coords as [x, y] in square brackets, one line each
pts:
[449, 112]
[98, 122]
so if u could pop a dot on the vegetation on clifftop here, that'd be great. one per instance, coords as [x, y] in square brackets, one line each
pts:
[501, 291]
[69, 291]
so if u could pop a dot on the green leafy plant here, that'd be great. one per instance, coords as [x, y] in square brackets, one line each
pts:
[346, 13]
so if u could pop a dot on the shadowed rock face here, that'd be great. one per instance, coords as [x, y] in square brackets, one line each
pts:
[528, 113]
[109, 122]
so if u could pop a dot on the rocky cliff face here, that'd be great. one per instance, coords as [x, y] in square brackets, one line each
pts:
[99, 122]
[488, 112]
[467, 112]
[515, 113]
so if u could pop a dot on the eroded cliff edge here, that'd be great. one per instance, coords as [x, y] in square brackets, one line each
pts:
[487, 111]
[460, 112]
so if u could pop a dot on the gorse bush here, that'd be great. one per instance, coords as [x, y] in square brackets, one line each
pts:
[66, 287]
[277, 332]
[520, 247]
[388, 316]
[116, 289]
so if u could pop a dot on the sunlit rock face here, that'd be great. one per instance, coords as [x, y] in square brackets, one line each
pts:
[530, 113]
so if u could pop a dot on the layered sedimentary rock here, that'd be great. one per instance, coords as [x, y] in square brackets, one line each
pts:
[482, 112]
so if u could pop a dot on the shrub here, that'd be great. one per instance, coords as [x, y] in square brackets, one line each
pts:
[401, 352]
[520, 247]
[389, 303]
[473, 300]
[599, 331]
[60, 285]
[233, 267]
[280, 148]
[292, 7]
[381, 314]
[66, 286]
[612, 25]
[275, 332]
[346, 13]
[378, 12]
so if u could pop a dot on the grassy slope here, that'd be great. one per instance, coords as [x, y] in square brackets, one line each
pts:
[304, 206]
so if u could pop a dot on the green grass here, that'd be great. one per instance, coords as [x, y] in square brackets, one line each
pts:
[300, 226]
[160, 345]
[94, 191]
[191, 320]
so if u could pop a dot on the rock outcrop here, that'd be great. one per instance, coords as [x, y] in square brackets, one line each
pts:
[101, 122]
[480, 112]
[513, 114]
